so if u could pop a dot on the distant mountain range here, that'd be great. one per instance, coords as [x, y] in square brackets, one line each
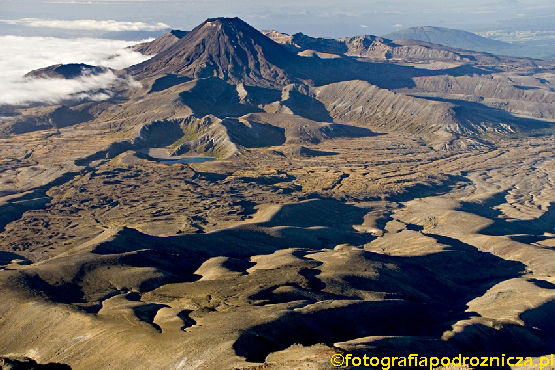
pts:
[450, 37]
[469, 41]
[228, 69]
[373, 47]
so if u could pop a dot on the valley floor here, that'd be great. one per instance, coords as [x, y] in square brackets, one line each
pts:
[276, 258]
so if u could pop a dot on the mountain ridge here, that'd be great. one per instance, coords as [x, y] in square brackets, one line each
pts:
[159, 44]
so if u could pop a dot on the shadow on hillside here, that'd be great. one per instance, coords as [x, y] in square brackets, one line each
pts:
[384, 75]
[217, 97]
[441, 300]
[502, 226]
[167, 81]
[24, 363]
[478, 113]
[7, 257]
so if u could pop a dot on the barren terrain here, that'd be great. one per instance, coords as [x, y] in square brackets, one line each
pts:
[364, 212]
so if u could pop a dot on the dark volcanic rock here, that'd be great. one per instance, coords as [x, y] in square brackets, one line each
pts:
[66, 71]
[227, 48]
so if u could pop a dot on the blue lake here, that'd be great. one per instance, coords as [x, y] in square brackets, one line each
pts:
[169, 162]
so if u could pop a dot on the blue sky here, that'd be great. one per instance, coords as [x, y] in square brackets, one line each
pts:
[314, 17]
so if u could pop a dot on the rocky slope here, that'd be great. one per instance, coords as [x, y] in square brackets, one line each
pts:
[159, 44]
[226, 48]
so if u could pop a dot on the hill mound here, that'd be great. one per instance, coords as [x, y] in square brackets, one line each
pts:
[66, 71]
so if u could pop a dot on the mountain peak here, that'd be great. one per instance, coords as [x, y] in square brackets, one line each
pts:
[224, 20]
[227, 48]
[226, 25]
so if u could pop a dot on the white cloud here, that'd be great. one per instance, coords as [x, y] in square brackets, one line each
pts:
[87, 24]
[23, 54]
[54, 90]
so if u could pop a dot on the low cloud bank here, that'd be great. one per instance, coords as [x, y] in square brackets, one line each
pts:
[52, 91]
[87, 24]
[23, 54]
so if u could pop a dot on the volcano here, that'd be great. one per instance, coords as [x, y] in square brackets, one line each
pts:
[227, 48]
